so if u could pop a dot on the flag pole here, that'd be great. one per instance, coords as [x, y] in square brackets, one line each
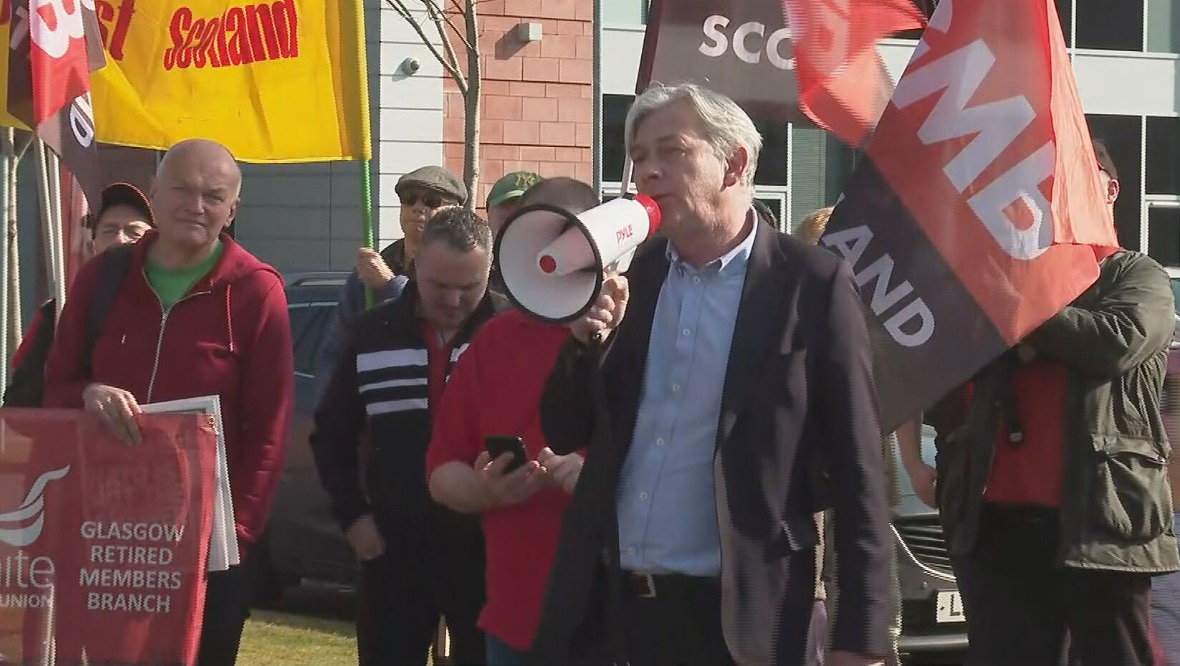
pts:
[44, 196]
[59, 231]
[367, 221]
[6, 154]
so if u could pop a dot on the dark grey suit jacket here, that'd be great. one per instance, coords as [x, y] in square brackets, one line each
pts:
[798, 432]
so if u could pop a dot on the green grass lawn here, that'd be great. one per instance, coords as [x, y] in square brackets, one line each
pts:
[283, 639]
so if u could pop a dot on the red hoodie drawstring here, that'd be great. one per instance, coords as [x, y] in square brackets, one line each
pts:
[229, 320]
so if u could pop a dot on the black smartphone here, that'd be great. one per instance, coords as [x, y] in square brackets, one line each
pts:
[498, 445]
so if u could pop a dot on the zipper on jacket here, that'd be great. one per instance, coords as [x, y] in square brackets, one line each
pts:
[160, 339]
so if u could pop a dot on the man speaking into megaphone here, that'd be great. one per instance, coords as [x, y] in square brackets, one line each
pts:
[722, 389]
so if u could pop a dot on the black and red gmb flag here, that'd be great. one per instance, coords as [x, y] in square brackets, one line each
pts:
[979, 212]
[781, 60]
[54, 45]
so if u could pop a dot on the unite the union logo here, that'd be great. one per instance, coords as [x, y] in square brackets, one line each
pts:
[21, 527]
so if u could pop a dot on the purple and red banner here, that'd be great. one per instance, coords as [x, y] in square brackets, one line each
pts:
[979, 212]
[103, 546]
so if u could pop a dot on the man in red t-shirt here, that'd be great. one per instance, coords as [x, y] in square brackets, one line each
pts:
[496, 389]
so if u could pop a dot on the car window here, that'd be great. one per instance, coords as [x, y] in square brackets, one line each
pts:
[306, 325]
[1176, 294]
[315, 335]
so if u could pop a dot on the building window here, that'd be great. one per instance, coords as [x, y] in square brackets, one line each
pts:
[623, 12]
[614, 118]
[820, 164]
[1115, 25]
[772, 161]
[1163, 146]
[1121, 134]
[1164, 235]
[1064, 12]
[1163, 26]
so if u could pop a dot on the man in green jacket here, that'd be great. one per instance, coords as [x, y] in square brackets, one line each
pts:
[1054, 493]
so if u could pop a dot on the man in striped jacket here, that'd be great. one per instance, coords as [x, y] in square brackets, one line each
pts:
[419, 560]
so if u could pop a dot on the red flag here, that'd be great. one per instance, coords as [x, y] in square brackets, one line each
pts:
[54, 45]
[979, 212]
[843, 84]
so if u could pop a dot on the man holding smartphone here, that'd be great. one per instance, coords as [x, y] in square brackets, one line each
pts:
[419, 560]
[489, 413]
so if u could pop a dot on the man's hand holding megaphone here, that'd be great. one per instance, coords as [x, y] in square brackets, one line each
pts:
[606, 313]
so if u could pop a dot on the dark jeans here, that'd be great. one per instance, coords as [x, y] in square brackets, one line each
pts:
[679, 626]
[1021, 606]
[1165, 613]
[227, 605]
[401, 599]
[503, 654]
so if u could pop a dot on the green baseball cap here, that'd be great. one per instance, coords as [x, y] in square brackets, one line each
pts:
[512, 186]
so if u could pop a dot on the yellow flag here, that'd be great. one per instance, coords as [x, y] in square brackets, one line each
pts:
[274, 80]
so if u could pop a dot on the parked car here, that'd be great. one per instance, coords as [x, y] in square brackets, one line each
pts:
[933, 625]
[302, 540]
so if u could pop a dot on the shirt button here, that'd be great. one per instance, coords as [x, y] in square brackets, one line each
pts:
[686, 332]
[696, 280]
[642, 496]
[676, 388]
[631, 551]
[660, 441]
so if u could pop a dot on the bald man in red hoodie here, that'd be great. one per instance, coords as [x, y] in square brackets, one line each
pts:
[196, 315]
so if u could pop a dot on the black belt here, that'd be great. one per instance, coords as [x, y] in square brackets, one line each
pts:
[651, 586]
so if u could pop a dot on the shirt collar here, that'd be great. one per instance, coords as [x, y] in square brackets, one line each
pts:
[734, 260]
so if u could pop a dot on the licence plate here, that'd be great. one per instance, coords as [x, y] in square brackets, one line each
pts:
[949, 607]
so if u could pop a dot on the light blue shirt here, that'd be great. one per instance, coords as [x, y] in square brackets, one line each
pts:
[666, 505]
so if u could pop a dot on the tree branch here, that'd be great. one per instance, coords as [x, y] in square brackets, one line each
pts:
[468, 42]
[400, 8]
[438, 15]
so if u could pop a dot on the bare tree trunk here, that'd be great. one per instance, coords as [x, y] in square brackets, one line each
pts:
[472, 107]
[469, 84]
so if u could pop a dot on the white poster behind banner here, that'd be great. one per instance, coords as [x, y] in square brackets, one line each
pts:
[223, 543]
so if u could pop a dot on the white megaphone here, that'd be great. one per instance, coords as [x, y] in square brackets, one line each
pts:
[552, 262]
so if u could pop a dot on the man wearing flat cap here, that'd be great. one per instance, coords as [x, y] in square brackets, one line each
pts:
[421, 192]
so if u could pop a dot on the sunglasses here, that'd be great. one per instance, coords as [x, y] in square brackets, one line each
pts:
[429, 199]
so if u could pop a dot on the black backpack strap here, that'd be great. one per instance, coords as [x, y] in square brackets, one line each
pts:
[26, 386]
[116, 262]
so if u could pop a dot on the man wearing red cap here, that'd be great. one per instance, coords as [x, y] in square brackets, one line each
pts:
[123, 216]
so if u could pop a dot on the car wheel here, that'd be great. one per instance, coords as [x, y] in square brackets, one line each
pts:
[269, 584]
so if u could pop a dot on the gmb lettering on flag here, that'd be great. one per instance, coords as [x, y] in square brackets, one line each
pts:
[103, 546]
[182, 68]
[978, 213]
[53, 47]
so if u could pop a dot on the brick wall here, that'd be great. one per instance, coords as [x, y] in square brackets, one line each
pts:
[537, 96]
